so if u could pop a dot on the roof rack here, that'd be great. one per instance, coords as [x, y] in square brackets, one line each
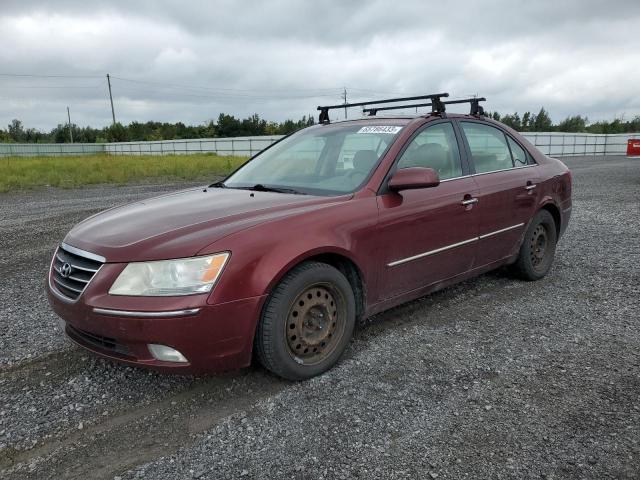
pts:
[436, 103]
[476, 108]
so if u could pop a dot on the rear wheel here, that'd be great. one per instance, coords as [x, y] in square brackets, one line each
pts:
[306, 323]
[538, 248]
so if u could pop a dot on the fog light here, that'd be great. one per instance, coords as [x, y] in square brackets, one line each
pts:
[166, 354]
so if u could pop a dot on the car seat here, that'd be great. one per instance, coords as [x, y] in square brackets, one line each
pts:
[430, 155]
[363, 162]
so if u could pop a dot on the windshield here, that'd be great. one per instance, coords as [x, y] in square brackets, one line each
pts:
[328, 160]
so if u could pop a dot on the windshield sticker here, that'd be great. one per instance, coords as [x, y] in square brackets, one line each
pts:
[380, 129]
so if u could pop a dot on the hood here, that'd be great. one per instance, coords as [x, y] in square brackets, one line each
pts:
[181, 224]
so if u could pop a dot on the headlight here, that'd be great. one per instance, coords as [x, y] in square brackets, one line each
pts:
[166, 278]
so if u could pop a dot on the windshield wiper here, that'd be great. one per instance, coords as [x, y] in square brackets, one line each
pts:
[259, 187]
[217, 185]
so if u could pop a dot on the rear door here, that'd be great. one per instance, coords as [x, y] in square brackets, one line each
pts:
[507, 178]
[428, 234]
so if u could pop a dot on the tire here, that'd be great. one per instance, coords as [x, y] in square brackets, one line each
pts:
[538, 248]
[306, 323]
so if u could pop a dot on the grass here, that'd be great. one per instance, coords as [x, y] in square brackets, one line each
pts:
[75, 171]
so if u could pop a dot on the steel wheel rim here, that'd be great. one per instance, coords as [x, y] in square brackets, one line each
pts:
[539, 246]
[315, 323]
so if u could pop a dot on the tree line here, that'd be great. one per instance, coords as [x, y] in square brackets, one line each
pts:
[225, 126]
[541, 122]
[230, 126]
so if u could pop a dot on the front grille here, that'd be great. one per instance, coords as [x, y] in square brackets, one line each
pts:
[72, 272]
[95, 340]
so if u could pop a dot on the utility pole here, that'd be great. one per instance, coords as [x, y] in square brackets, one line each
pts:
[344, 96]
[70, 129]
[113, 113]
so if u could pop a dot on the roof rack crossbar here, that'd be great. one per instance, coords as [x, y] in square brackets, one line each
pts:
[476, 109]
[438, 105]
[373, 110]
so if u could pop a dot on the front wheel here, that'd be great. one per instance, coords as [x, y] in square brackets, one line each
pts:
[307, 322]
[538, 248]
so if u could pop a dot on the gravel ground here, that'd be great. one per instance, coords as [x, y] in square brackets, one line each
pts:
[32, 224]
[492, 378]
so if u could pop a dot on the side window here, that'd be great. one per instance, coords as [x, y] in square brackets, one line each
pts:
[435, 147]
[489, 149]
[518, 153]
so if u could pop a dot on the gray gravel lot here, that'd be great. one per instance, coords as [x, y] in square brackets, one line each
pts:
[32, 224]
[492, 378]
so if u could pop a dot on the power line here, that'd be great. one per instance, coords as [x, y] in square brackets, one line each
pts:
[223, 95]
[50, 86]
[47, 76]
[246, 93]
[220, 89]
[177, 91]
[212, 99]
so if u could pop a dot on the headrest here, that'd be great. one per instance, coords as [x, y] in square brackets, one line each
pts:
[434, 156]
[364, 160]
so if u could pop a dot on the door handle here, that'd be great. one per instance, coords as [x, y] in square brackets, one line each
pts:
[469, 201]
[530, 186]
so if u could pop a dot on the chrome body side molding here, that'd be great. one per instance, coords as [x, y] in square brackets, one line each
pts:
[453, 245]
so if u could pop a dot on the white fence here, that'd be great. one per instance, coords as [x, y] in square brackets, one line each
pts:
[237, 146]
[556, 144]
[49, 149]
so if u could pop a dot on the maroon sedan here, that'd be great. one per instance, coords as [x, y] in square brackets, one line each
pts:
[331, 224]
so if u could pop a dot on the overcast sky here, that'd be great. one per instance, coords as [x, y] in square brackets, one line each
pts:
[190, 60]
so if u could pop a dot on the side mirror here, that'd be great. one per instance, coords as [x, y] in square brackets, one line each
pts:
[414, 177]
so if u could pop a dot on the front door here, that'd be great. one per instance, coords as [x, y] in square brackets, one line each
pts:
[428, 234]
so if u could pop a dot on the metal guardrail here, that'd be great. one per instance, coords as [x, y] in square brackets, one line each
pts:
[550, 143]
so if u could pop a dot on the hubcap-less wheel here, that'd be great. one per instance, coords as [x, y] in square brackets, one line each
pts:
[315, 323]
[538, 248]
[306, 322]
[539, 242]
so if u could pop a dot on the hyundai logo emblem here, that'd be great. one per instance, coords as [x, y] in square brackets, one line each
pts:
[65, 270]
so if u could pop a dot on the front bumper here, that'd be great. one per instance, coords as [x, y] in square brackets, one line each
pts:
[213, 338]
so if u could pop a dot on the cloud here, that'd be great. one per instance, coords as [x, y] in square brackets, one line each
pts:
[189, 61]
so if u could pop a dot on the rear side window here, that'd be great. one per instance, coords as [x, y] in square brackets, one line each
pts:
[520, 157]
[489, 148]
[435, 147]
